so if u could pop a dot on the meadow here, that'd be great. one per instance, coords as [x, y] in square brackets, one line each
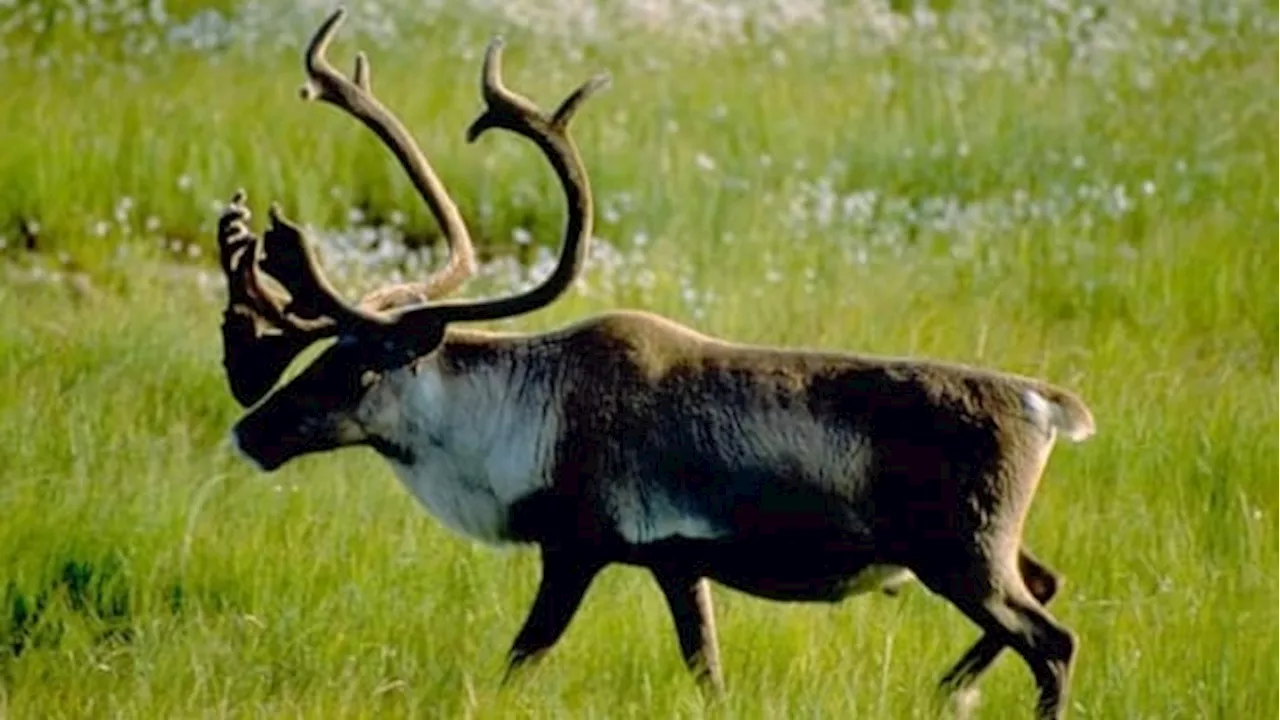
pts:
[1085, 192]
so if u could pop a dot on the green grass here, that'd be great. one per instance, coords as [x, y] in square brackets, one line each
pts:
[145, 571]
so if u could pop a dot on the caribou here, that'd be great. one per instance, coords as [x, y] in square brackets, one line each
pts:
[628, 438]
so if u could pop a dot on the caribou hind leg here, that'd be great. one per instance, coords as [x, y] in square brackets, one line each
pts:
[689, 599]
[994, 595]
[1043, 583]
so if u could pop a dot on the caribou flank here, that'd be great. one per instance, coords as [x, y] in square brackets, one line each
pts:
[789, 474]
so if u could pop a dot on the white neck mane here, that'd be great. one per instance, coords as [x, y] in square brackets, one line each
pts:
[478, 441]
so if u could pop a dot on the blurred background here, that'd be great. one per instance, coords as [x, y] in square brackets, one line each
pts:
[1081, 190]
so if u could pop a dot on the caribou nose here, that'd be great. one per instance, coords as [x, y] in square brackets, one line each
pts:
[246, 451]
[237, 443]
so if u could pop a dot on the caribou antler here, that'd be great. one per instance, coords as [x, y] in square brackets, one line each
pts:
[355, 97]
[263, 330]
[508, 110]
[255, 347]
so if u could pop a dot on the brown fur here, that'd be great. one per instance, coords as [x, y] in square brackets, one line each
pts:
[954, 462]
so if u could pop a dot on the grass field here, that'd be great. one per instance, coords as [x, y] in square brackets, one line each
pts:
[1087, 193]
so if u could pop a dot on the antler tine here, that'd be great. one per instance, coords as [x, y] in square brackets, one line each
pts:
[259, 338]
[314, 306]
[569, 106]
[497, 96]
[355, 97]
[238, 253]
[508, 110]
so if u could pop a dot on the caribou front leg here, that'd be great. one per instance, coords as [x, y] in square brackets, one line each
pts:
[566, 575]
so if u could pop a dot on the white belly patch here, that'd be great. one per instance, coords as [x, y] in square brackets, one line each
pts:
[887, 578]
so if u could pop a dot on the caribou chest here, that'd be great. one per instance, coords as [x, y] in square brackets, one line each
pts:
[475, 447]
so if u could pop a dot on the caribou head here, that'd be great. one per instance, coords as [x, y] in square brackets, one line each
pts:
[344, 395]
